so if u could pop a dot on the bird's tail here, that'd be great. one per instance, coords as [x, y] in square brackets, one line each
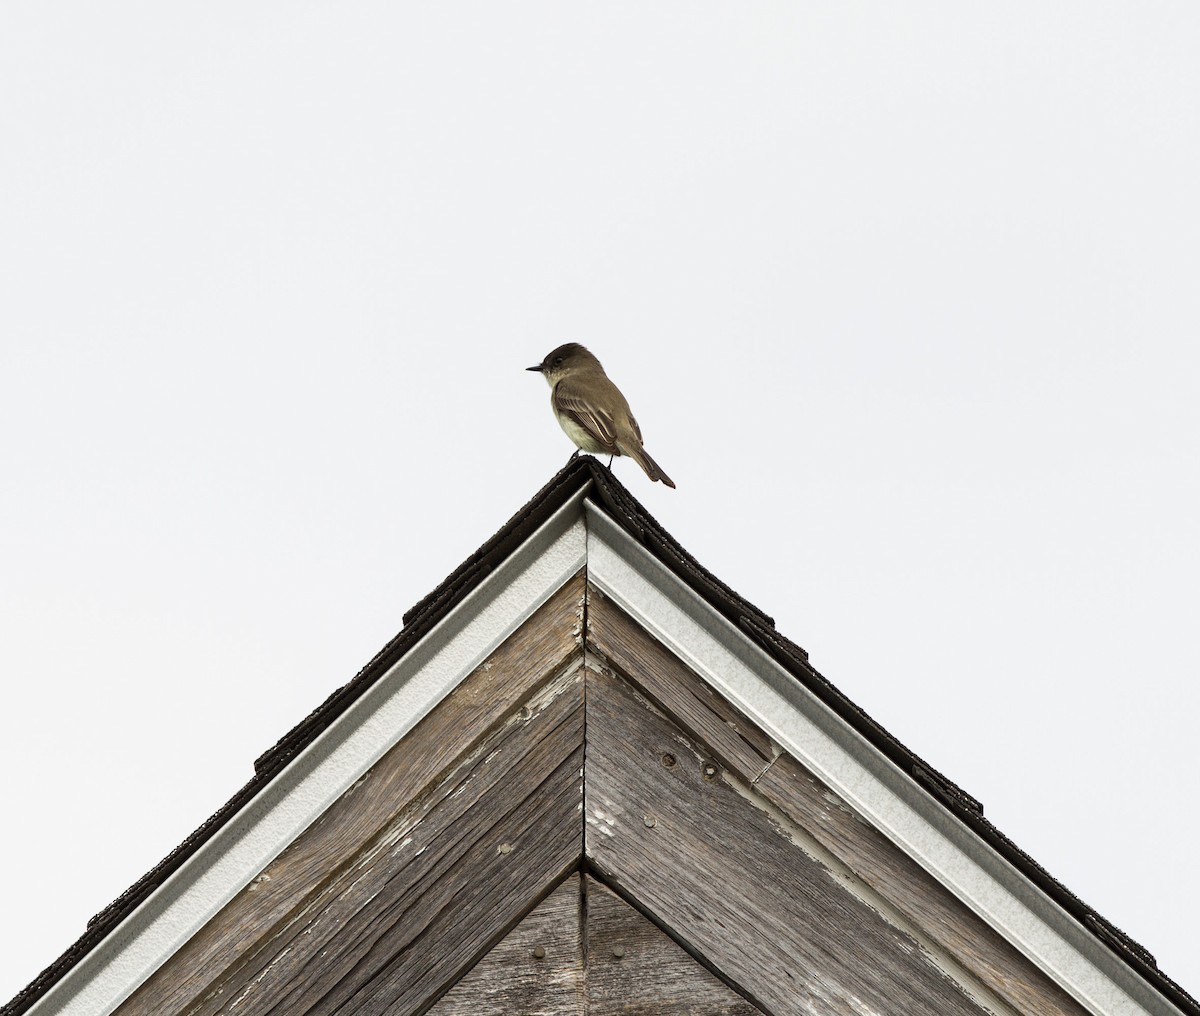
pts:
[649, 466]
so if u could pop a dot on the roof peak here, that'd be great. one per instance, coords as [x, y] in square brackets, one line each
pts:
[548, 515]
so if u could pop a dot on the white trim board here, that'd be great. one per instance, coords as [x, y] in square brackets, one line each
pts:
[859, 773]
[323, 771]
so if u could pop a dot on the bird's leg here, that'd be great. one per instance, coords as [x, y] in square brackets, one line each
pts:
[610, 458]
[574, 454]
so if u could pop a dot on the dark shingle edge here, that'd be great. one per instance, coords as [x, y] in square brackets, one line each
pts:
[757, 626]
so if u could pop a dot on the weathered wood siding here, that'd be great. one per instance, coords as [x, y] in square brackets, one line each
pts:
[585, 950]
[442, 884]
[448, 879]
[634, 969]
[860, 855]
[378, 880]
[536, 970]
[668, 830]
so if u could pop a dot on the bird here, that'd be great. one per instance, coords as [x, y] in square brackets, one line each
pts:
[592, 410]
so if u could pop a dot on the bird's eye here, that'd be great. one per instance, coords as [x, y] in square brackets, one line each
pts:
[557, 360]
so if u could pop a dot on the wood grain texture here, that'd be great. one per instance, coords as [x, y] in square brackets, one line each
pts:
[661, 677]
[535, 970]
[241, 934]
[709, 865]
[913, 892]
[634, 968]
[804, 799]
[444, 882]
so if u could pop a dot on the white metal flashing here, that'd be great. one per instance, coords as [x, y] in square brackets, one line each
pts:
[320, 774]
[887, 797]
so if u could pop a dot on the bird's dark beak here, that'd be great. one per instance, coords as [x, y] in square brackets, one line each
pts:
[538, 368]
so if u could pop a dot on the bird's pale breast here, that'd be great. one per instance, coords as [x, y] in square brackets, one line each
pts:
[580, 437]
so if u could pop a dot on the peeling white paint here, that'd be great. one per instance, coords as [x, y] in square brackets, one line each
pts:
[602, 821]
[841, 805]
[259, 880]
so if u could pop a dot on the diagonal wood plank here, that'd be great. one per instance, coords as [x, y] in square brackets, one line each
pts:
[782, 782]
[635, 969]
[716, 871]
[238, 942]
[631, 651]
[445, 880]
[535, 970]
[916, 896]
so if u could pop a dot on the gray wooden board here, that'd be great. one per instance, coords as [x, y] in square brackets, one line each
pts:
[913, 892]
[634, 968]
[240, 941]
[784, 783]
[442, 883]
[658, 674]
[713, 868]
[535, 970]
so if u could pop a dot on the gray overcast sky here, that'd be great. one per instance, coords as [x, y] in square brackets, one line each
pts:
[904, 297]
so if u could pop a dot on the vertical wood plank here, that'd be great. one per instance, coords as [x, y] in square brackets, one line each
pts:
[784, 783]
[713, 868]
[535, 970]
[635, 969]
[238, 940]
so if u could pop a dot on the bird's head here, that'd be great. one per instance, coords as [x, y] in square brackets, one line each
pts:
[566, 359]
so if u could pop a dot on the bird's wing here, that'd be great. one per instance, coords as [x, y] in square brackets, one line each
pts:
[599, 423]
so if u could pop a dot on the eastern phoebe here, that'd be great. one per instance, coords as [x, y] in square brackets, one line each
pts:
[592, 410]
